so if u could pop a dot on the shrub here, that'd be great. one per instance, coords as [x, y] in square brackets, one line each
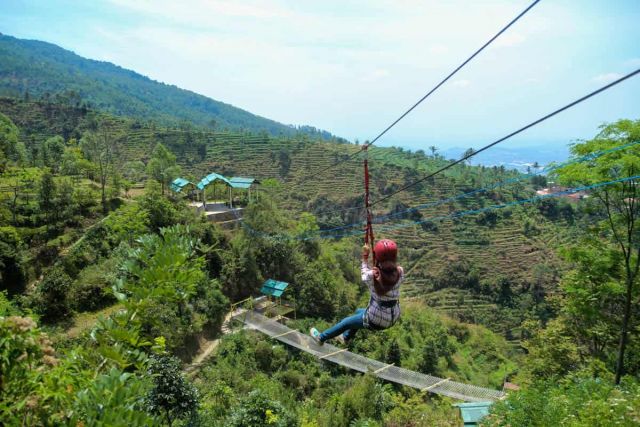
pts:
[258, 410]
[51, 298]
[172, 396]
[92, 289]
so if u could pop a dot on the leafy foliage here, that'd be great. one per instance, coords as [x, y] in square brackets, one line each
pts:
[164, 276]
[162, 166]
[578, 400]
[171, 396]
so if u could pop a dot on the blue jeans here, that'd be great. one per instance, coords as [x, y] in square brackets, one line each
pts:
[348, 325]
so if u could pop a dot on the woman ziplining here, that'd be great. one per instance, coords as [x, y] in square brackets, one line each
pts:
[383, 282]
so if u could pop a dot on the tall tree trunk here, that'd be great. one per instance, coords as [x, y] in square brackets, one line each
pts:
[623, 334]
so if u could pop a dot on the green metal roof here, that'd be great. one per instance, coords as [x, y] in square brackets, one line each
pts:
[179, 183]
[241, 182]
[212, 177]
[273, 288]
[473, 412]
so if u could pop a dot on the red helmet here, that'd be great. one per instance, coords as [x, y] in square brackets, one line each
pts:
[386, 250]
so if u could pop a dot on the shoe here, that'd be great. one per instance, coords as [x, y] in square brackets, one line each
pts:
[315, 334]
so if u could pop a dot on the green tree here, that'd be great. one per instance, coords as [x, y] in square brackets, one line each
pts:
[172, 396]
[165, 277]
[315, 289]
[619, 203]
[51, 153]
[121, 402]
[8, 140]
[394, 354]
[47, 194]
[101, 148]
[551, 352]
[579, 400]
[51, 300]
[133, 171]
[258, 410]
[593, 291]
[12, 260]
[162, 166]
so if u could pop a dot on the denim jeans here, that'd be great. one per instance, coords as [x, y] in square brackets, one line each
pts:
[348, 325]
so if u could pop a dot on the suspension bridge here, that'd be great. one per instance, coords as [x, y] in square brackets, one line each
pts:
[388, 372]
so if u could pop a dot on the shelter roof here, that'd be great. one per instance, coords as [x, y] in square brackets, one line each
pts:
[242, 182]
[179, 183]
[473, 412]
[273, 287]
[212, 177]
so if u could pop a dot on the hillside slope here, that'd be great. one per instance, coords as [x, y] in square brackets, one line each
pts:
[45, 70]
[487, 269]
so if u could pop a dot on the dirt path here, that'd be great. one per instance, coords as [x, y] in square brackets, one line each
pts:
[208, 347]
[85, 321]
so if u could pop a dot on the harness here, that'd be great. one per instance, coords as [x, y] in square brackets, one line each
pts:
[384, 304]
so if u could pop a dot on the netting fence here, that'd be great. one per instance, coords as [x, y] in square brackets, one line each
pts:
[356, 362]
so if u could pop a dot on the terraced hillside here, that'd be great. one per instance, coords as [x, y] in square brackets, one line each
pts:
[477, 262]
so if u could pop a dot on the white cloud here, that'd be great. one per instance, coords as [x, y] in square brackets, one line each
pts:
[606, 78]
[461, 83]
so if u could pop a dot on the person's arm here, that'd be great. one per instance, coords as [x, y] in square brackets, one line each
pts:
[367, 273]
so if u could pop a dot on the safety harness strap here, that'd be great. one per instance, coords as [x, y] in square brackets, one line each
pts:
[368, 232]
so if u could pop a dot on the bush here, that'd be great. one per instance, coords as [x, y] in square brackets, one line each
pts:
[92, 289]
[578, 400]
[258, 410]
[51, 297]
[172, 396]
[160, 211]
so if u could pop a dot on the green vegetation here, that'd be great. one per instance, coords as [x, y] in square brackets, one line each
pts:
[543, 294]
[62, 76]
[576, 364]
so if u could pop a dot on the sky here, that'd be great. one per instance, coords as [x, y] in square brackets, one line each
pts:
[352, 67]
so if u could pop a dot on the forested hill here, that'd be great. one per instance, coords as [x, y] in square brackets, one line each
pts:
[44, 70]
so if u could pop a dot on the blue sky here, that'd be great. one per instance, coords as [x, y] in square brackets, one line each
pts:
[353, 67]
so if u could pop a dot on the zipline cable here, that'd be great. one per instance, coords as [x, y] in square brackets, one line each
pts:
[545, 170]
[522, 129]
[493, 207]
[321, 234]
[549, 169]
[367, 144]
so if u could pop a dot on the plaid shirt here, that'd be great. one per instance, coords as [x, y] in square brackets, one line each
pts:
[377, 315]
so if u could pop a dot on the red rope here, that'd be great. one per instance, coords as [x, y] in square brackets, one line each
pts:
[368, 231]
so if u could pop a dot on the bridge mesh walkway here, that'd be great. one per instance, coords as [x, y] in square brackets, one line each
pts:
[423, 382]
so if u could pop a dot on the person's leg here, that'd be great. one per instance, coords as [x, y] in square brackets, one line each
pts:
[348, 323]
[351, 333]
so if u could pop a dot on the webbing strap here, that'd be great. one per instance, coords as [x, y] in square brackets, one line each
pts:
[368, 231]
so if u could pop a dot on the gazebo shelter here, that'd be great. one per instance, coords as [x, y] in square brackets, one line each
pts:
[212, 178]
[180, 184]
[274, 307]
[473, 412]
[238, 182]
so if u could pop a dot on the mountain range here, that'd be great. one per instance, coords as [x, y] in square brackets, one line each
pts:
[31, 68]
